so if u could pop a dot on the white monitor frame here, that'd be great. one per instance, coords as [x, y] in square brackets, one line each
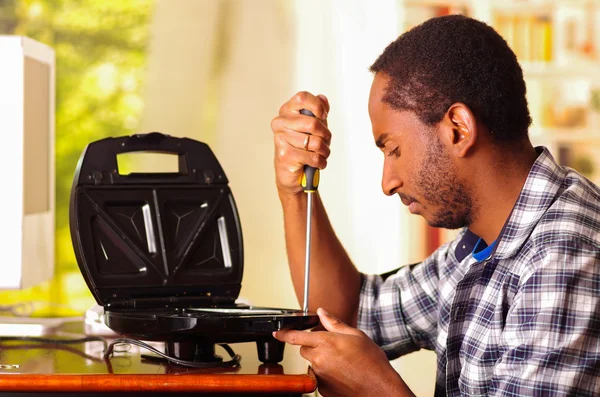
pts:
[27, 193]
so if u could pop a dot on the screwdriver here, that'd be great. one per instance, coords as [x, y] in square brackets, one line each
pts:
[310, 183]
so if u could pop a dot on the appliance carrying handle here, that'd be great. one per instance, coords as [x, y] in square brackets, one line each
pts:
[197, 163]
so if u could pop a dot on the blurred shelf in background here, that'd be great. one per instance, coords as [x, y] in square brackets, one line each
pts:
[557, 43]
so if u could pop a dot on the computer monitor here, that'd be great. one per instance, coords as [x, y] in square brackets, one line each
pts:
[27, 199]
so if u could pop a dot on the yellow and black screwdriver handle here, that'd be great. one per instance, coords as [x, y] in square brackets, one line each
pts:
[310, 176]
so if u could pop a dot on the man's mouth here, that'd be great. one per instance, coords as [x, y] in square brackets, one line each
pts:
[410, 202]
[406, 200]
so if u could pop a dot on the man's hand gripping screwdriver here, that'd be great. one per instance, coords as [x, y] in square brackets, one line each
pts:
[310, 183]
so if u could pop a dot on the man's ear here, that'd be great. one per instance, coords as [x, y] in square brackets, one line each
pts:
[461, 129]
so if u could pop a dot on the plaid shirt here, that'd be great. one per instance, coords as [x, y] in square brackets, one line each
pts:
[523, 322]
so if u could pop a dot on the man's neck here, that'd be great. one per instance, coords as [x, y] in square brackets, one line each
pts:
[501, 183]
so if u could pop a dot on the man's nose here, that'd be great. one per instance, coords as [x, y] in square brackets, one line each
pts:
[390, 181]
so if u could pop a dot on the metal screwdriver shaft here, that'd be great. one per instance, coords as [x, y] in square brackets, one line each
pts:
[310, 183]
[307, 254]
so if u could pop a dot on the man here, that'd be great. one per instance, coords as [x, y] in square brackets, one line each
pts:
[512, 306]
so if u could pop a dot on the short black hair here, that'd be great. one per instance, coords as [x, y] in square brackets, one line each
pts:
[452, 59]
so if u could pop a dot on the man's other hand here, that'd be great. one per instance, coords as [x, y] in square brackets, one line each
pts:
[346, 361]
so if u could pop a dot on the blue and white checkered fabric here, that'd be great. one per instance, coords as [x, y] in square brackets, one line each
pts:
[523, 322]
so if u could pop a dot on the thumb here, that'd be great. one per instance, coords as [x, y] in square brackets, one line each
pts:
[333, 324]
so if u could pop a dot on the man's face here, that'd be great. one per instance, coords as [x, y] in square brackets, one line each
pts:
[417, 165]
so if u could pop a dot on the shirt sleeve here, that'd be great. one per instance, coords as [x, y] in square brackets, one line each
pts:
[551, 338]
[400, 313]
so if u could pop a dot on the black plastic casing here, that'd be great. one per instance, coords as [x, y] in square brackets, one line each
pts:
[141, 239]
[158, 249]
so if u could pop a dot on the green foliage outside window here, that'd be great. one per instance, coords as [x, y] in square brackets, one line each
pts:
[100, 58]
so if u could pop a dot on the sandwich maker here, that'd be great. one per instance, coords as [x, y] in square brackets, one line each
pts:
[163, 252]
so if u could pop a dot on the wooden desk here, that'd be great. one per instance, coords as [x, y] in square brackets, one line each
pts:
[56, 369]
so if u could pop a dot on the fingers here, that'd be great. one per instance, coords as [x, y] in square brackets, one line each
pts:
[300, 158]
[300, 139]
[308, 341]
[301, 124]
[307, 142]
[300, 338]
[325, 101]
[309, 353]
[333, 324]
[319, 106]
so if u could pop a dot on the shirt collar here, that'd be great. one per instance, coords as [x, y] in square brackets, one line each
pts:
[539, 192]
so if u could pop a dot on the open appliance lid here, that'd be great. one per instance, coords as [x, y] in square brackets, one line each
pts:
[146, 238]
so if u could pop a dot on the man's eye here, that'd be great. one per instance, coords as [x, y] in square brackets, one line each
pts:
[395, 153]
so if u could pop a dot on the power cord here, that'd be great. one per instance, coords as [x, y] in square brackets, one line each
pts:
[234, 362]
[109, 348]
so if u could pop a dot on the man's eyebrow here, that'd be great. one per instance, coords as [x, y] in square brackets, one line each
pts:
[381, 140]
